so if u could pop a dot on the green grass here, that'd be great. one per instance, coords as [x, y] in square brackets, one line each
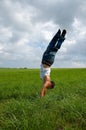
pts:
[63, 108]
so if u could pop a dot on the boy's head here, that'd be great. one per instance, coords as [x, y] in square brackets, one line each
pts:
[51, 85]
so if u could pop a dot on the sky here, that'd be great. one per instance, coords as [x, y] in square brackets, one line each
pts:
[27, 26]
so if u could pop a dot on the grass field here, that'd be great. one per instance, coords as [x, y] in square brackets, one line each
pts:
[63, 108]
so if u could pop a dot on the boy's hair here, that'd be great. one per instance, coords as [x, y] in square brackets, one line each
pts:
[53, 84]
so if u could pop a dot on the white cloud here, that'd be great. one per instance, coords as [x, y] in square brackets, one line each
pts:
[26, 27]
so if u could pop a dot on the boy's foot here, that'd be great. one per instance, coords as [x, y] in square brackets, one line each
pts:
[59, 33]
[64, 33]
[61, 39]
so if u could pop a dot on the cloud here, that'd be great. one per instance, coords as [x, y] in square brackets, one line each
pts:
[26, 27]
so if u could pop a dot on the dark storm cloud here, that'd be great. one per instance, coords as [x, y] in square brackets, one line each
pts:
[61, 12]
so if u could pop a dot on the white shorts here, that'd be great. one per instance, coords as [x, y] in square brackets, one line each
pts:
[44, 71]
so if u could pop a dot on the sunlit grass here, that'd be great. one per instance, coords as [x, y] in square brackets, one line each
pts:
[63, 108]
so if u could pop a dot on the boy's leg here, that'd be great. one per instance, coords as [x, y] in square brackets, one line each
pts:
[54, 41]
[61, 40]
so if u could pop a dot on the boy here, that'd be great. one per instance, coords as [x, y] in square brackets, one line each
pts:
[48, 60]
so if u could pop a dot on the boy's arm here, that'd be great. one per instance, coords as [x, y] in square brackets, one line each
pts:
[43, 91]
